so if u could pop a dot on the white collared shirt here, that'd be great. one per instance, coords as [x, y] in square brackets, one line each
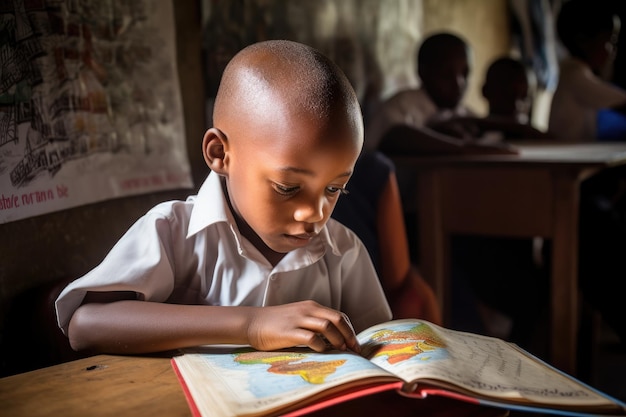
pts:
[191, 252]
[412, 107]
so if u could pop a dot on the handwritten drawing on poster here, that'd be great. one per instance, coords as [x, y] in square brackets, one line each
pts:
[90, 105]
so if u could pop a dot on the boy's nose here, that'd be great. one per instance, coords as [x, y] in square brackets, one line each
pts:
[310, 211]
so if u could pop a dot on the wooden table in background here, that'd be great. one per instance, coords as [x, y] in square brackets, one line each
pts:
[119, 386]
[535, 193]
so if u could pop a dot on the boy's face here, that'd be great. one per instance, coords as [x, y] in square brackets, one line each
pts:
[285, 173]
[510, 98]
[446, 80]
[601, 50]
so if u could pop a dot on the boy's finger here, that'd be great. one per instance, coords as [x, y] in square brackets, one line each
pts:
[352, 342]
[341, 334]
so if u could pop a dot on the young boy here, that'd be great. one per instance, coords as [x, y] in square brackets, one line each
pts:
[507, 89]
[254, 258]
[589, 31]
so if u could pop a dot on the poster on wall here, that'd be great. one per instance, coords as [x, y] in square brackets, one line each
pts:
[90, 105]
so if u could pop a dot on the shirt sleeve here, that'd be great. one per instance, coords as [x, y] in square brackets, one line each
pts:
[139, 262]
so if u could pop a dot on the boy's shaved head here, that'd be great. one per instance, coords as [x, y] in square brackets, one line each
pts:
[279, 75]
[287, 133]
[503, 69]
[435, 49]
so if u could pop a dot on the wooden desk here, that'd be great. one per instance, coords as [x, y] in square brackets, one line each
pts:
[107, 385]
[535, 193]
[97, 386]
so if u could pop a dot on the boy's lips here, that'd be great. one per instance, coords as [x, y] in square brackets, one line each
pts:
[300, 239]
[303, 236]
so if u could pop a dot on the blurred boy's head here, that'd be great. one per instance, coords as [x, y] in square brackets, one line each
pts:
[506, 88]
[443, 66]
[287, 132]
[589, 30]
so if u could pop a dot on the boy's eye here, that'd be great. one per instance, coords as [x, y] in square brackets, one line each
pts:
[291, 190]
[335, 190]
[285, 190]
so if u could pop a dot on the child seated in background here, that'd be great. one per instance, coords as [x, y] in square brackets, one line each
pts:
[254, 258]
[589, 31]
[510, 286]
[373, 210]
[508, 89]
[431, 118]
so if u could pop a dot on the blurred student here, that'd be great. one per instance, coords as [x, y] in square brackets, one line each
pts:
[431, 118]
[585, 107]
[503, 273]
[373, 210]
[589, 30]
[508, 88]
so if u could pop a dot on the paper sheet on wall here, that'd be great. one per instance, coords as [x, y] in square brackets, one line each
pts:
[90, 105]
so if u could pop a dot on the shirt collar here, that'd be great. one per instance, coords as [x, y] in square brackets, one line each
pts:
[210, 207]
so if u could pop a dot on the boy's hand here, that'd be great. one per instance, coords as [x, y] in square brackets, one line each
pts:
[303, 323]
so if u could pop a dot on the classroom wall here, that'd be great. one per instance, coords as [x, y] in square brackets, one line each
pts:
[68, 243]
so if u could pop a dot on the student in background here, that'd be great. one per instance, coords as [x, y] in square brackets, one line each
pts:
[504, 274]
[429, 119]
[589, 31]
[508, 89]
[373, 210]
[587, 108]
[432, 117]
[254, 258]
[583, 100]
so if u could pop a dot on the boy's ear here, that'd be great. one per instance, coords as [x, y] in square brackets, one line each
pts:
[214, 146]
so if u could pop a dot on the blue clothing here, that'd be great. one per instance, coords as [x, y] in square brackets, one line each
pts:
[611, 126]
[358, 209]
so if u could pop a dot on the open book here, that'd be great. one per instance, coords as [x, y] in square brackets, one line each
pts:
[413, 357]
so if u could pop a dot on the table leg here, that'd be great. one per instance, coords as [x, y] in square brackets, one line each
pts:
[564, 282]
[434, 259]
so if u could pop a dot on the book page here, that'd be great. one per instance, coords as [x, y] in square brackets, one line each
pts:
[241, 381]
[488, 366]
